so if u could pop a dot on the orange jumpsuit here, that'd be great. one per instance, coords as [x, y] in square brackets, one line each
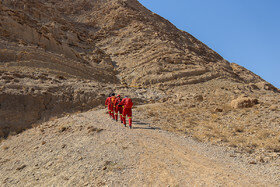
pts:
[107, 102]
[111, 106]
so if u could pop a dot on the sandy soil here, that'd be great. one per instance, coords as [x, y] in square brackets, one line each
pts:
[91, 149]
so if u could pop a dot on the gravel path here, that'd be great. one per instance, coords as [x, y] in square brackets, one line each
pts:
[89, 149]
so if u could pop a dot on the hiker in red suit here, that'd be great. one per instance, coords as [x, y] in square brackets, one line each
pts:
[107, 103]
[127, 105]
[111, 105]
[118, 108]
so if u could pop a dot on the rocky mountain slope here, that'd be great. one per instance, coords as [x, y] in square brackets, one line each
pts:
[59, 57]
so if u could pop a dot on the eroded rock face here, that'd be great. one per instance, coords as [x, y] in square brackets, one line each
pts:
[22, 105]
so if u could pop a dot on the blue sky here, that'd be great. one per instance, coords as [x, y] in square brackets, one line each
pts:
[246, 32]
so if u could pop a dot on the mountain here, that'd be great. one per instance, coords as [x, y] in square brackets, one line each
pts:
[66, 56]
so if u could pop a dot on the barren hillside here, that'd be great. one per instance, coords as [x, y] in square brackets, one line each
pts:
[89, 149]
[61, 57]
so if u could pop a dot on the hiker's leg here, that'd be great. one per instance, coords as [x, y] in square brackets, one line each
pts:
[129, 115]
[109, 110]
[124, 115]
[121, 113]
[116, 113]
[113, 112]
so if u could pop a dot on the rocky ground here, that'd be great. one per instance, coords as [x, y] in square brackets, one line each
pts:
[91, 149]
[223, 113]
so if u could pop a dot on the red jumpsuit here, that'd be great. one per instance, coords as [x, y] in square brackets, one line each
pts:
[118, 109]
[107, 102]
[126, 111]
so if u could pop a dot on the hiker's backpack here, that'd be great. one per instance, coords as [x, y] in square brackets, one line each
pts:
[128, 103]
[113, 98]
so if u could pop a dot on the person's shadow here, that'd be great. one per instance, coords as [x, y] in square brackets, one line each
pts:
[144, 125]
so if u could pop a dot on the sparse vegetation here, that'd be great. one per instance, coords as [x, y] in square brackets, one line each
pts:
[231, 127]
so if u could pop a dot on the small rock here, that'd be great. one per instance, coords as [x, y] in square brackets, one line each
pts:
[80, 158]
[21, 167]
[218, 110]
[253, 162]
[36, 147]
[244, 102]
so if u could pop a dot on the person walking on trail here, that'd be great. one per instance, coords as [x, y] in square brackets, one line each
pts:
[111, 105]
[107, 102]
[127, 110]
[118, 108]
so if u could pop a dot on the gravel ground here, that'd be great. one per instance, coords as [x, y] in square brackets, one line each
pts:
[90, 149]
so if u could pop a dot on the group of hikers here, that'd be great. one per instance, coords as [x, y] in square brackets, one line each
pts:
[117, 105]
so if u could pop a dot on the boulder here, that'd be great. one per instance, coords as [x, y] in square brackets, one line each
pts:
[244, 102]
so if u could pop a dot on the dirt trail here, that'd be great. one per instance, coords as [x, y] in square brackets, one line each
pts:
[91, 149]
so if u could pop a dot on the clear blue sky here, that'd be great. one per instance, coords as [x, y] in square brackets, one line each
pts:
[246, 32]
